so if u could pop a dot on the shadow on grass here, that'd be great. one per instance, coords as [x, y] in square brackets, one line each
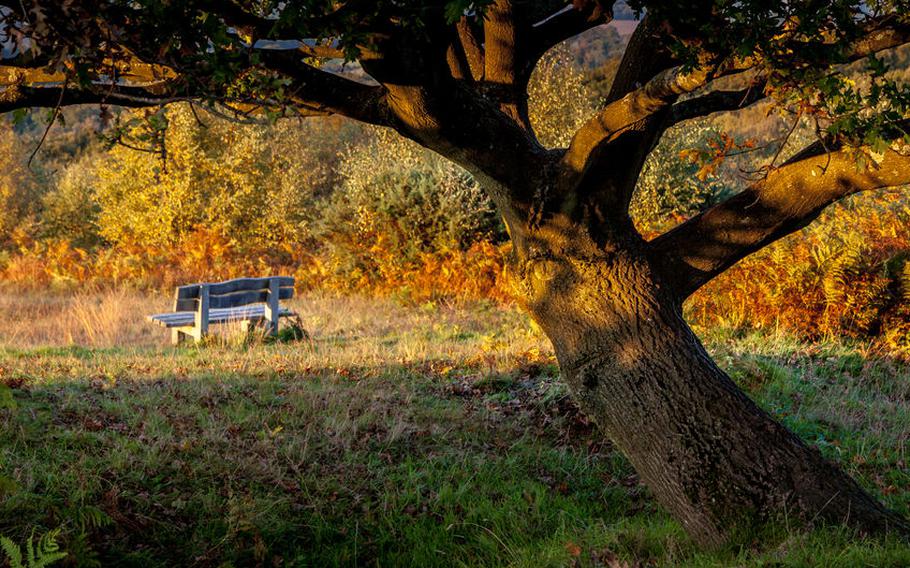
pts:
[396, 465]
[425, 465]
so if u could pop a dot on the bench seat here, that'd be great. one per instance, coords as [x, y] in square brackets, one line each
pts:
[223, 315]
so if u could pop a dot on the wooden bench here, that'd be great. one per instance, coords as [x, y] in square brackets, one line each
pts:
[249, 301]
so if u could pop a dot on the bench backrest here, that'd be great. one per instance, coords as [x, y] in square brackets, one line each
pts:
[232, 293]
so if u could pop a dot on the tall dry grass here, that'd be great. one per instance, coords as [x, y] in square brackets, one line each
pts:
[345, 330]
[88, 318]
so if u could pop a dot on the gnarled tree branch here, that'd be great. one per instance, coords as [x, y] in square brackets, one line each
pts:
[658, 94]
[326, 92]
[715, 101]
[471, 48]
[791, 196]
[505, 77]
[575, 19]
[19, 97]
[313, 91]
[645, 104]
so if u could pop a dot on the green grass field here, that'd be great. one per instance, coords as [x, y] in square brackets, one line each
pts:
[395, 436]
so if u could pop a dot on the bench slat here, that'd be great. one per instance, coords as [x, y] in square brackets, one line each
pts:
[190, 316]
[185, 314]
[184, 319]
[212, 313]
[240, 284]
[245, 298]
[235, 285]
[232, 300]
[186, 297]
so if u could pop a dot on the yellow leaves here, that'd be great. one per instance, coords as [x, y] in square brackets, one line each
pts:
[19, 192]
[221, 176]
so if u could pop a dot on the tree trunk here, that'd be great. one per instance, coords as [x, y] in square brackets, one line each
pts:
[711, 456]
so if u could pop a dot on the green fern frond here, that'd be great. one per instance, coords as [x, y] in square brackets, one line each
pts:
[37, 555]
[12, 552]
[841, 268]
[88, 518]
[48, 550]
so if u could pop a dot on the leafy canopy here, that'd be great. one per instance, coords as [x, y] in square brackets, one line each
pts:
[210, 44]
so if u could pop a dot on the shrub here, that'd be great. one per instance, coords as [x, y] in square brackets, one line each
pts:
[398, 203]
[560, 99]
[237, 180]
[70, 210]
[20, 191]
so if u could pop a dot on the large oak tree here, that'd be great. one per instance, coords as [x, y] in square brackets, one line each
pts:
[453, 76]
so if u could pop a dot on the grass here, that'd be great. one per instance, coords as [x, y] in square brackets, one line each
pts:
[427, 435]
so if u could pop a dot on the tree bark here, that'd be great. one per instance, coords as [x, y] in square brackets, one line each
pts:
[711, 456]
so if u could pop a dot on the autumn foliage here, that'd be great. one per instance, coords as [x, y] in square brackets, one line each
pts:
[349, 209]
[846, 275]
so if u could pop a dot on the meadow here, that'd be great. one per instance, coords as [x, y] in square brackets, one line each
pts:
[395, 434]
[421, 420]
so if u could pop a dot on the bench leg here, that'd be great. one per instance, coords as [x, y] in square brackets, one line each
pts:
[246, 327]
[199, 334]
[272, 308]
[177, 337]
[180, 335]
